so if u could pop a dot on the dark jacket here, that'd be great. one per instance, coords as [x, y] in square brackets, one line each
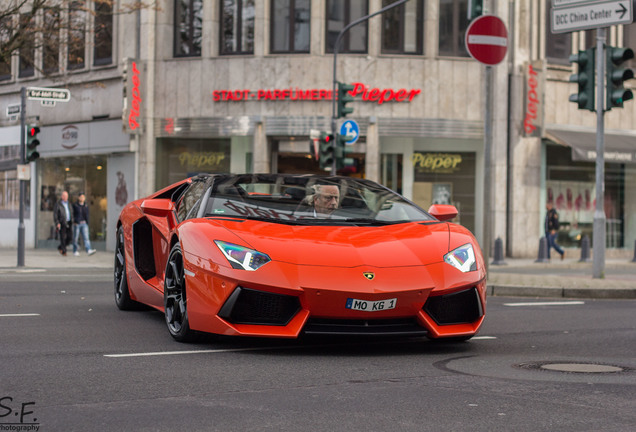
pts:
[59, 213]
[80, 213]
[551, 220]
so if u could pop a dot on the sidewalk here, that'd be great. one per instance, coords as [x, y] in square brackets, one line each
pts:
[517, 277]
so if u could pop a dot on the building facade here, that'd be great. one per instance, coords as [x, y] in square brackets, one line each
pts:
[238, 85]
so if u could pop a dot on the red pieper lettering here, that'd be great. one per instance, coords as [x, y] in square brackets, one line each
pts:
[533, 102]
[135, 104]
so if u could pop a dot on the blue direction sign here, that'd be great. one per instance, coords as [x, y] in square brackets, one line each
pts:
[351, 129]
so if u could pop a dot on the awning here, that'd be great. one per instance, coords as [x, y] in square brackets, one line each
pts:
[618, 148]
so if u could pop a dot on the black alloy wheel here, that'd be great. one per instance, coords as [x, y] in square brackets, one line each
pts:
[174, 297]
[122, 295]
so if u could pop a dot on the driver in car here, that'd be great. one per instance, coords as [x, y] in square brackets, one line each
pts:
[326, 200]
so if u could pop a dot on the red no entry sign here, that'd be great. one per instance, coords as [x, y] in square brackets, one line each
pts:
[487, 39]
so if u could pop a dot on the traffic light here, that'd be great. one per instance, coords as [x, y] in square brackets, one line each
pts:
[327, 151]
[584, 78]
[342, 150]
[344, 97]
[475, 9]
[616, 76]
[32, 143]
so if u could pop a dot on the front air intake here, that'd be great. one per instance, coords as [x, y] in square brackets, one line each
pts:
[248, 306]
[463, 307]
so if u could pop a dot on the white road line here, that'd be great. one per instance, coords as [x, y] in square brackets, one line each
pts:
[214, 351]
[484, 337]
[20, 315]
[563, 303]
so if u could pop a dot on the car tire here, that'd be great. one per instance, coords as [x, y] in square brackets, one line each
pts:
[174, 298]
[122, 294]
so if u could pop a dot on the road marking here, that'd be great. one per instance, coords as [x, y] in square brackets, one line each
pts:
[230, 350]
[562, 303]
[20, 315]
[212, 351]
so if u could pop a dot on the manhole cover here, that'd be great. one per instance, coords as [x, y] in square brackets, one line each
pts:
[574, 367]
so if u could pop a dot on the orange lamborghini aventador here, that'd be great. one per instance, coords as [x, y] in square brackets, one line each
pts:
[277, 255]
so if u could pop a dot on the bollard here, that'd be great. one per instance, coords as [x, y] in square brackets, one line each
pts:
[499, 255]
[634, 260]
[543, 251]
[585, 249]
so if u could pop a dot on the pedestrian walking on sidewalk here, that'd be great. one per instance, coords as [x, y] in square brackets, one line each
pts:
[80, 225]
[63, 220]
[551, 230]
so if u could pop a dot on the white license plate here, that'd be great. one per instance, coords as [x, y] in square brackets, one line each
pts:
[371, 306]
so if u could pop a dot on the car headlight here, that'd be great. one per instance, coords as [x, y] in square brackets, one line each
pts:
[242, 258]
[462, 258]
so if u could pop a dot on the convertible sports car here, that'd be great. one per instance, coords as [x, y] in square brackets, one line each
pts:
[274, 255]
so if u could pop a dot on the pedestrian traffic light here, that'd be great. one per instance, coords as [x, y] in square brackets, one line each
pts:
[475, 9]
[344, 97]
[584, 78]
[616, 76]
[32, 143]
[326, 151]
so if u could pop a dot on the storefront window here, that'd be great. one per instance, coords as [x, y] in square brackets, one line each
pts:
[392, 171]
[75, 174]
[446, 178]
[571, 188]
[10, 195]
[178, 159]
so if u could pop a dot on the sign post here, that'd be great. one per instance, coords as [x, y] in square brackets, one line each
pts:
[31, 93]
[575, 15]
[487, 42]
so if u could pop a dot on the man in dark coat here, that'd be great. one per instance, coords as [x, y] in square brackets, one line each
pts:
[63, 218]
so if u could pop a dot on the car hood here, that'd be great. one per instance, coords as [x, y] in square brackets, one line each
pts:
[409, 244]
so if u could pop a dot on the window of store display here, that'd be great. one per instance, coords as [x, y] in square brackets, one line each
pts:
[75, 174]
[571, 188]
[180, 158]
[10, 195]
[391, 168]
[446, 178]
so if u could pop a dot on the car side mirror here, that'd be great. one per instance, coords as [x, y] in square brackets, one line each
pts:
[157, 207]
[443, 212]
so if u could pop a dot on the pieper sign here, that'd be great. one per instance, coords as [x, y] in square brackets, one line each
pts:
[360, 90]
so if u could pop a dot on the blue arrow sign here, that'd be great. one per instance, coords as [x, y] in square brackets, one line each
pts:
[351, 129]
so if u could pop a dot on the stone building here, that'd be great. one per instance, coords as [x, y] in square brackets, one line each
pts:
[237, 85]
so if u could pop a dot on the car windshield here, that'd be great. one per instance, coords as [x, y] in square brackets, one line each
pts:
[308, 199]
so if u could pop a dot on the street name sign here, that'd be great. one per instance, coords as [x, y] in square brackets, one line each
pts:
[48, 94]
[590, 15]
[487, 39]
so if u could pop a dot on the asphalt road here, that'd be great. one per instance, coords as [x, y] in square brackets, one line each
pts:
[80, 364]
